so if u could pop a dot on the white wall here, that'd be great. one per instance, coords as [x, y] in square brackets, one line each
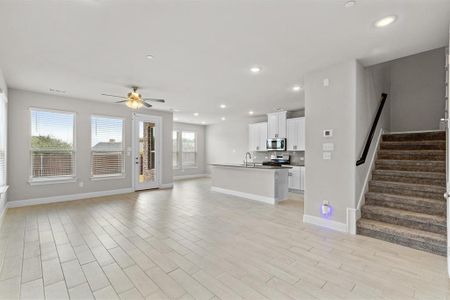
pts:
[227, 142]
[417, 91]
[332, 107]
[371, 82]
[19, 137]
[201, 155]
[3, 197]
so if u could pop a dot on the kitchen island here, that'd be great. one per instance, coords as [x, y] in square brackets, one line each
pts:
[267, 184]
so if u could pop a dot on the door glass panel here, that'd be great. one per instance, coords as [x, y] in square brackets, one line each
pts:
[147, 152]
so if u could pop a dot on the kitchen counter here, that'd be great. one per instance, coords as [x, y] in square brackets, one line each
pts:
[268, 184]
[251, 166]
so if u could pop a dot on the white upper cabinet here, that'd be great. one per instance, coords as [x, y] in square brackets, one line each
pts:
[257, 136]
[296, 134]
[276, 128]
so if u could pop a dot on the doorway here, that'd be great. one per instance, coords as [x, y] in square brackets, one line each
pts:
[146, 152]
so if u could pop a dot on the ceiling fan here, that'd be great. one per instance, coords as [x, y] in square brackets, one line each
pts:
[134, 99]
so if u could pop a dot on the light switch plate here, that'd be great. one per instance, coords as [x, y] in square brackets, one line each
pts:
[328, 146]
[326, 155]
[326, 82]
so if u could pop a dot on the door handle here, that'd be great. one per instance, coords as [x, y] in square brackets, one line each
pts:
[446, 195]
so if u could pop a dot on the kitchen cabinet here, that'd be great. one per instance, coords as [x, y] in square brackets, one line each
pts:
[296, 134]
[276, 125]
[257, 134]
[296, 178]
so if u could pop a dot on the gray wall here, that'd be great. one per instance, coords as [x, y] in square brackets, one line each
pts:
[332, 107]
[201, 155]
[19, 137]
[417, 91]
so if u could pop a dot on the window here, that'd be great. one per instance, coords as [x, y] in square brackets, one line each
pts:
[189, 149]
[52, 145]
[175, 149]
[107, 151]
[2, 142]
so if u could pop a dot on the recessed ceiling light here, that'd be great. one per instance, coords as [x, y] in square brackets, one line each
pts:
[149, 56]
[296, 88]
[255, 69]
[223, 118]
[223, 106]
[385, 21]
[196, 114]
[349, 3]
[203, 122]
[251, 112]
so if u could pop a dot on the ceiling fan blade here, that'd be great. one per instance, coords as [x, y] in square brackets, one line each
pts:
[121, 101]
[154, 100]
[108, 95]
[147, 105]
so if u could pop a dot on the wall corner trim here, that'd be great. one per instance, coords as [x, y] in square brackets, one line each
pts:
[63, 198]
[353, 215]
[330, 224]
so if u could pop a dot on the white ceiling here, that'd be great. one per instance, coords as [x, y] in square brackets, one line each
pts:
[203, 49]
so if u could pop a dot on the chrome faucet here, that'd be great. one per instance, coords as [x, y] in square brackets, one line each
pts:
[249, 155]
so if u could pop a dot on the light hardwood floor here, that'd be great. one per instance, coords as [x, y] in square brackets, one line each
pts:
[190, 243]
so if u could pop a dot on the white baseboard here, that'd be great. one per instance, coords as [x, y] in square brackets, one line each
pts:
[353, 215]
[181, 177]
[62, 198]
[260, 198]
[163, 186]
[338, 226]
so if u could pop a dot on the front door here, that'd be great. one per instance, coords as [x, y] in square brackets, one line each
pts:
[146, 152]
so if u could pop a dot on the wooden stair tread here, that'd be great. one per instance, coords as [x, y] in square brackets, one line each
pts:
[377, 195]
[410, 186]
[437, 175]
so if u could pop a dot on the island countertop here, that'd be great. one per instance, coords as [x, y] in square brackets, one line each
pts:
[251, 166]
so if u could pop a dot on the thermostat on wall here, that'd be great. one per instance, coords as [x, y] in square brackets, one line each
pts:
[328, 133]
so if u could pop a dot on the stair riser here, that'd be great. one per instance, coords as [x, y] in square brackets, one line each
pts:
[387, 146]
[428, 246]
[406, 192]
[430, 167]
[419, 136]
[408, 156]
[418, 180]
[405, 221]
[434, 209]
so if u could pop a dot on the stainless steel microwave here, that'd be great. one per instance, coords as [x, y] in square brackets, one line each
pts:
[276, 144]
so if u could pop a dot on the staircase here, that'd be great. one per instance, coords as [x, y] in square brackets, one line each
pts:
[405, 203]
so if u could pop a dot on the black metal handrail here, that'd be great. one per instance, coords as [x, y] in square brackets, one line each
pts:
[372, 131]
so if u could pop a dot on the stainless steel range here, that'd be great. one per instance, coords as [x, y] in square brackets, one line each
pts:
[278, 160]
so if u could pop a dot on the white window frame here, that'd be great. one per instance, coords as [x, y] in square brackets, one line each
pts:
[4, 104]
[107, 176]
[196, 150]
[179, 156]
[52, 179]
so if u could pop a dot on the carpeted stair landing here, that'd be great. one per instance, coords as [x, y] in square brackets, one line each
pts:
[405, 203]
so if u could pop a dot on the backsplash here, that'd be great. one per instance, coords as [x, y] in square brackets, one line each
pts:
[297, 157]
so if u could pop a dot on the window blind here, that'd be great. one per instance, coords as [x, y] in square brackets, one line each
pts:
[52, 144]
[175, 149]
[189, 149]
[107, 151]
[3, 140]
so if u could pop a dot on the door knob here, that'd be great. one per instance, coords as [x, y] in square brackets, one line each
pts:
[446, 195]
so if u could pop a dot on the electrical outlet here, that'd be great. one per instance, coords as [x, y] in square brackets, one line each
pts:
[81, 184]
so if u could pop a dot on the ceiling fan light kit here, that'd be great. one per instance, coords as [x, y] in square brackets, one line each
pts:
[134, 100]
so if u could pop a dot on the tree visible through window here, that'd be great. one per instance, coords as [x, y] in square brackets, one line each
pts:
[52, 144]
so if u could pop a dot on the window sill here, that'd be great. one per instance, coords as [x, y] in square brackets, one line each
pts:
[107, 177]
[55, 180]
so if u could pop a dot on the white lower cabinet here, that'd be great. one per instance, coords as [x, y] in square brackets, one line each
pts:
[297, 178]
